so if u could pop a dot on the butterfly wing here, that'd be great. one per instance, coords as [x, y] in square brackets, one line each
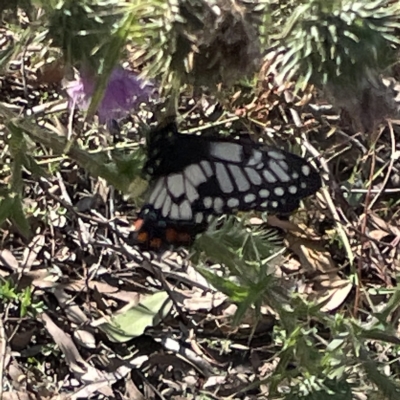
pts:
[195, 177]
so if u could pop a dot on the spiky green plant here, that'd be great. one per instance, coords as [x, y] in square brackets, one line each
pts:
[206, 42]
[339, 42]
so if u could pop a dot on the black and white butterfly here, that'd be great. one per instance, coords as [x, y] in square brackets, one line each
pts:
[194, 177]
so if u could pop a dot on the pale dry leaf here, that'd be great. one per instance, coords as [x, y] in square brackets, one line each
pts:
[213, 381]
[336, 295]
[85, 338]
[313, 257]
[196, 300]
[18, 396]
[84, 233]
[95, 380]
[43, 278]
[56, 219]
[114, 292]
[378, 234]
[100, 382]
[73, 311]
[17, 376]
[104, 288]
[131, 391]
[287, 226]
[290, 266]
[383, 225]
[103, 189]
[326, 285]
[66, 345]
[7, 259]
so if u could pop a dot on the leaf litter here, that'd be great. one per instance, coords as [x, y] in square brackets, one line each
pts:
[84, 279]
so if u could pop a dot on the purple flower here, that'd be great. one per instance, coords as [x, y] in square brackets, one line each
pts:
[124, 92]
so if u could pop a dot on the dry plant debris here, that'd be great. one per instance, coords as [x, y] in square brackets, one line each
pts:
[63, 292]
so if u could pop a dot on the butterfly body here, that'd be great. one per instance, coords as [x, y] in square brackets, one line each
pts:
[194, 178]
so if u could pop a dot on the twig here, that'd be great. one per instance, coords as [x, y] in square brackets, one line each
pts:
[390, 167]
[3, 349]
[329, 201]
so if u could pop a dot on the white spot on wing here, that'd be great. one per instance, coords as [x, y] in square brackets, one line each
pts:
[277, 155]
[224, 180]
[195, 174]
[279, 172]
[185, 210]
[274, 204]
[175, 185]
[191, 192]
[199, 218]
[207, 168]
[253, 175]
[268, 176]
[161, 198]
[174, 213]
[283, 164]
[218, 204]
[292, 189]
[249, 198]
[255, 158]
[305, 169]
[279, 191]
[264, 193]
[265, 204]
[226, 151]
[295, 175]
[166, 207]
[207, 201]
[232, 202]
[303, 185]
[240, 180]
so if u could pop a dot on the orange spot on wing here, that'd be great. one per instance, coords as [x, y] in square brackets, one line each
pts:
[171, 235]
[142, 237]
[155, 243]
[184, 237]
[138, 224]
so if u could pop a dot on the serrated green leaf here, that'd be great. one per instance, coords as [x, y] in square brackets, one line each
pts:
[235, 292]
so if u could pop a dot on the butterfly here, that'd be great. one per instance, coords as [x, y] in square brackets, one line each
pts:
[193, 178]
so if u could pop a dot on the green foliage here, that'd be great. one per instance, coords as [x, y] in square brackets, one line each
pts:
[316, 368]
[339, 41]
[81, 29]
[23, 299]
[247, 253]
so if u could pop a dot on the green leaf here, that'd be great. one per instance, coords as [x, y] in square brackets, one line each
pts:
[133, 322]
[6, 208]
[235, 292]
[26, 301]
[19, 218]
[389, 388]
